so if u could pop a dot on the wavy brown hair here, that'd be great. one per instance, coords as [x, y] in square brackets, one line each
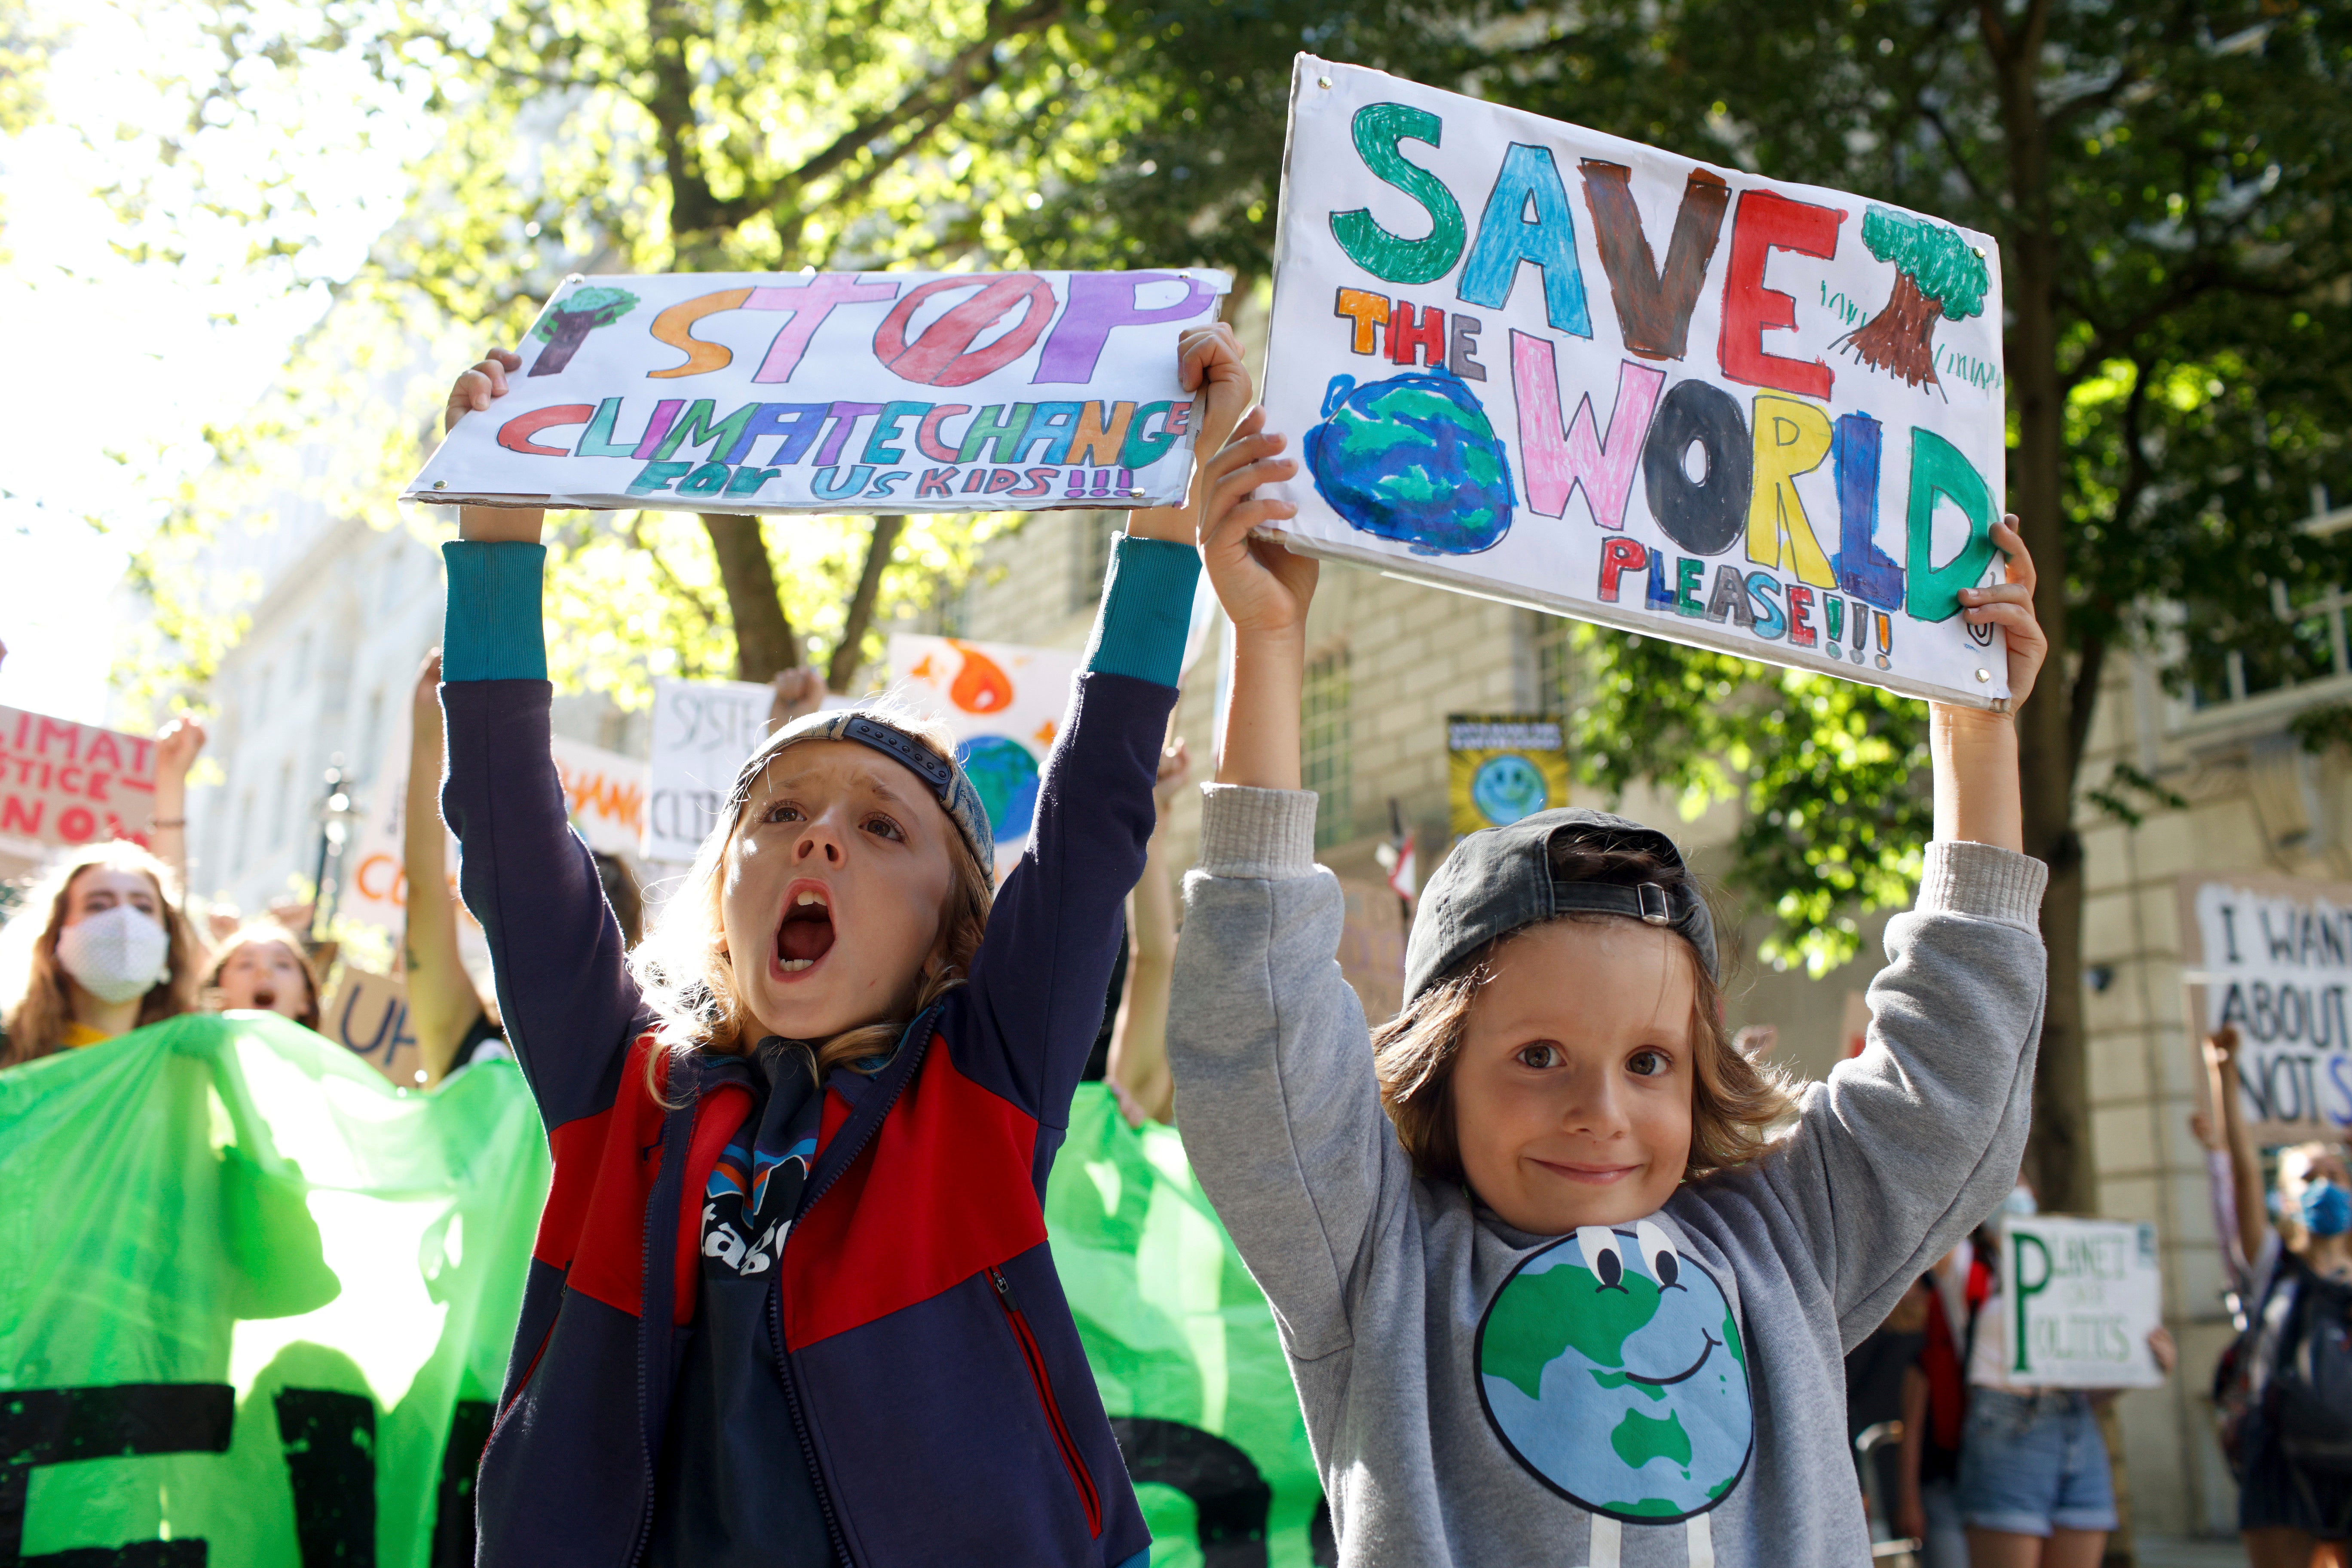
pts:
[1735, 1101]
[682, 965]
[37, 1020]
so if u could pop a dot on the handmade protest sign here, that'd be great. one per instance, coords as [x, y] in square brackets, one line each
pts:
[1500, 768]
[1525, 359]
[63, 782]
[2272, 956]
[605, 793]
[368, 1017]
[1004, 703]
[704, 732]
[833, 392]
[2077, 1302]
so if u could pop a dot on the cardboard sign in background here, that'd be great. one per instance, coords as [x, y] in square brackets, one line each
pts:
[703, 732]
[1500, 767]
[2272, 955]
[368, 1017]
[2078, 1300]
[1526, 360]
[828, 392]
[1005, 704]
[63, 782]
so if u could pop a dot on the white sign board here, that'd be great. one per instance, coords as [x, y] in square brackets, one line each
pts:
[704, 732]
[604, 794]
[1529, 361]
[2273, 958]
[827, 392]
[1005, 704]
[2077, 1300]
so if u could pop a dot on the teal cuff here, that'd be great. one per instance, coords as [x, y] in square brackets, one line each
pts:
[1147, 608]
[491, 629]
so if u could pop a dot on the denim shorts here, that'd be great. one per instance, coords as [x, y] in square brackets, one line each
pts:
[2032, 1463]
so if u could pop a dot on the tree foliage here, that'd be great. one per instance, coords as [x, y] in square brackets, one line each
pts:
[1934, 256]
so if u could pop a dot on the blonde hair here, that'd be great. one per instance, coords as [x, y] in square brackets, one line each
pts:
[260, 933]
[39, 1019]
[1735, 1102]
[682, 965]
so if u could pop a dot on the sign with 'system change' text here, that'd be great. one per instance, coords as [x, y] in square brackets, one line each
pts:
[827, 392]
[2078, 1298]
[704, 732]
[1525, 359]
[2272, 956]
[63, 782]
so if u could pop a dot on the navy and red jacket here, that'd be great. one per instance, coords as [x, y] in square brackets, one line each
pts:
[942, 1395]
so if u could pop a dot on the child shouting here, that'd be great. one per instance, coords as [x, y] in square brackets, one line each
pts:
[791, 1302]
[1567, 1302]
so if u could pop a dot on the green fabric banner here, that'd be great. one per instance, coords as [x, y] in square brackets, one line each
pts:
[258, 1304]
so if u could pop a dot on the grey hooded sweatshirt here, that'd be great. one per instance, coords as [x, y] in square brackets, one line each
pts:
[1668, 1392]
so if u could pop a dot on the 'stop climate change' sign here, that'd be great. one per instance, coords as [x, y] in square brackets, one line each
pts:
[1530, 360]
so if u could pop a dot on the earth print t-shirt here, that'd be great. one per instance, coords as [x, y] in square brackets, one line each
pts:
[735, 1488]
[1610, 1350]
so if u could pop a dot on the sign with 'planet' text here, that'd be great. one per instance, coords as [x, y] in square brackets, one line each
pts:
[835, 392]
[1526, 360]
[2077, 1302]
[2272, 957]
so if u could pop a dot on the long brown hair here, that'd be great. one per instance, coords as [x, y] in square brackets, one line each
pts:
[39, 1020]
[1735, 1102]
[682, 965]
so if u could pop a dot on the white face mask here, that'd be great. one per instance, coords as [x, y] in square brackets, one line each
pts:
[117, 954]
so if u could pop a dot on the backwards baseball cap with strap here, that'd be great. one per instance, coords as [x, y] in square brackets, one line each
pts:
[1501, 878]
[946, 780]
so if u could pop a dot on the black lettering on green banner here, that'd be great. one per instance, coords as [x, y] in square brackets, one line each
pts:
[330, 1441]
[1230, 1499]
[62, 1426]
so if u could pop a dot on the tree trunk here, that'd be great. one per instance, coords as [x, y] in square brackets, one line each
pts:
[764, 644]
[570, 329]
[2059, 1158]
[1901, 337]
[844, 665]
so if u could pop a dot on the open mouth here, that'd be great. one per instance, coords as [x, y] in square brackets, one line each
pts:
[806, 933]
[264, 999]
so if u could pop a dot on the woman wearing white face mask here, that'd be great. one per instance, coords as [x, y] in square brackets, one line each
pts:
[113, 952]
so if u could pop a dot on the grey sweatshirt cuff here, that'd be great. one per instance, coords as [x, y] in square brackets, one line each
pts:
[1266, 835]
[1994, 884]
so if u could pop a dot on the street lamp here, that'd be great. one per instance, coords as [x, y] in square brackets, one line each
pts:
[334, 815]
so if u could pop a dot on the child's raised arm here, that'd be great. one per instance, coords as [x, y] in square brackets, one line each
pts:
[1975, 750]
[564, 991]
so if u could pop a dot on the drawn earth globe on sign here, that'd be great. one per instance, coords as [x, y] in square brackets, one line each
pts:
[1507, 788]
[1005, 774]
[1412, 458]
[1612, 1369]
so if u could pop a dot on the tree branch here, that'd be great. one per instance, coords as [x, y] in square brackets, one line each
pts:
[1929, 113]
[846, 654]
[702, 607]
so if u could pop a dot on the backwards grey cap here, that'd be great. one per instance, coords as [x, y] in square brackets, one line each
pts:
[1500, 879]
[948, 784]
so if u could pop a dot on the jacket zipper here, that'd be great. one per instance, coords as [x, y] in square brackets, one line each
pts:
[645, 1329]
[919, 1034]
[1035, 1357]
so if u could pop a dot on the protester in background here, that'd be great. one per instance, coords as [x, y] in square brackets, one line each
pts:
[1935, 1409]
[2282, 1387]
[262, 967]
[793, 693]
[113, 952]
[2035, 1489]
[178, 745]
[1136, 1066]
[1875, 1373]
[453, 1023]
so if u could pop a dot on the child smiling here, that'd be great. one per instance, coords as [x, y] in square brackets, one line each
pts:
[1575, 1298]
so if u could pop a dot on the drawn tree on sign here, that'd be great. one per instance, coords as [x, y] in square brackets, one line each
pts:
[1937, 273]
[566, 327]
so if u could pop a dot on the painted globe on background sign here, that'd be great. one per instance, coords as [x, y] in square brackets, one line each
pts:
[1507, 788]
[1612, 1368]
[1005, 774]
[1412, 458]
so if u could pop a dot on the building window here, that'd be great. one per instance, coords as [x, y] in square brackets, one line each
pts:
[1326, 750]
[2310, 646]
[1551, 649]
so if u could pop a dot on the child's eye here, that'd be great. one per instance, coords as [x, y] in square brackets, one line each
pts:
[781, 811]
[883, 827]
[1542, 1054]
[1648, 1064]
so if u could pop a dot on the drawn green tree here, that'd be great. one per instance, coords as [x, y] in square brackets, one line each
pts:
[567, 326]
[1937, 273]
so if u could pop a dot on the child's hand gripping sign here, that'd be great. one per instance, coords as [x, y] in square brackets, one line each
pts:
[897, 393]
